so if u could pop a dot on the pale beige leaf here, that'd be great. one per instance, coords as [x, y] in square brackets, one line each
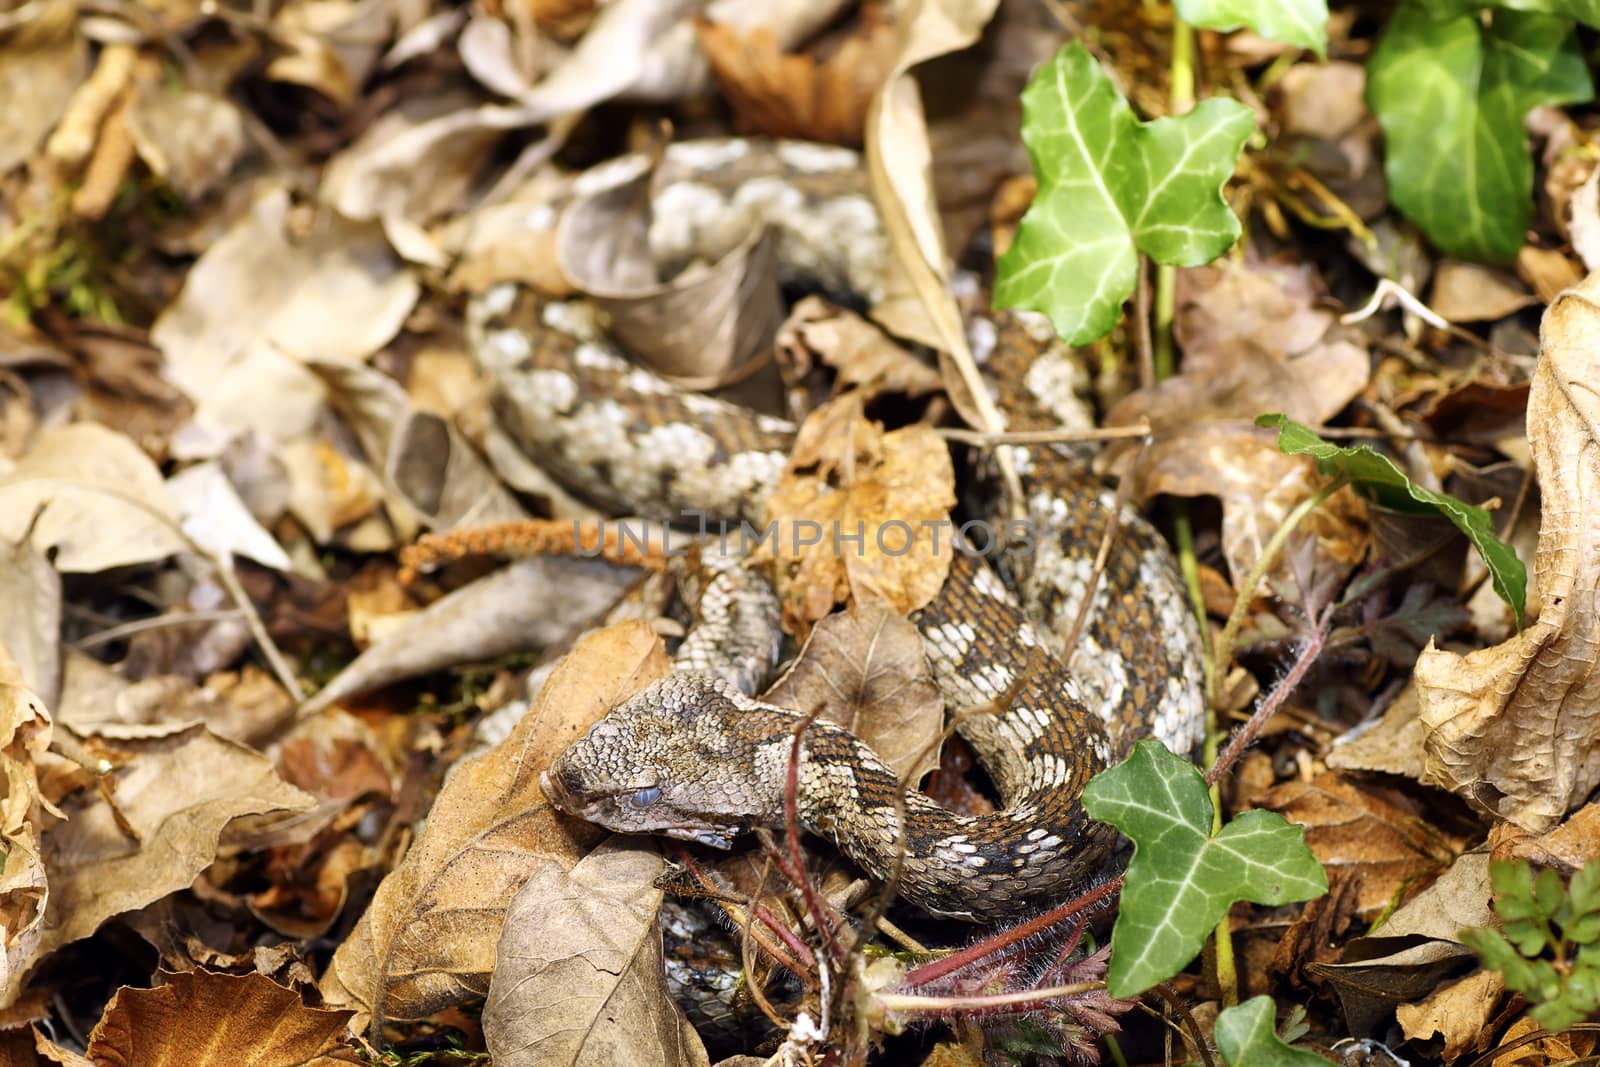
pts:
[259, 300]
[30, 625]
[866, 670]
[190, 138]
[529, 605]
[1458, 1012]
[201, 1019]
[214, 516]
[427, 941]
[1512, 728]
[103, 499]
[578, 977]
[37, 79]
[899, 162]
[174, 796]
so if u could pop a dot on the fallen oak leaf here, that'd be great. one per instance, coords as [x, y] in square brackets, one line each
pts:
[1511, 727]
[205, 1019]
[428, 939]
[25, 729]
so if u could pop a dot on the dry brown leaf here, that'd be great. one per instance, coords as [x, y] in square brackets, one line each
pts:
[1471, 292]
[800, 95]
[1512, 727]
[1574, 1047]
[1549, 271]
[1570, 847]
[1365, 831]
[203, 1019]
[24, 890]
[1458, 1012]
[864, 358]
[103, 501]
[866, 670]
[1253, 340]
[427, 941]
[218, 521]
[173, 796]
[578, 976]
[858, 512]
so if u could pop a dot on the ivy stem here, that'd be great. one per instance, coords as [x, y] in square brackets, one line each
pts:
[1246, 592]
[1180, 99]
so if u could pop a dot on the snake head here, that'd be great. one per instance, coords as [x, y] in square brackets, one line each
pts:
[678, 758]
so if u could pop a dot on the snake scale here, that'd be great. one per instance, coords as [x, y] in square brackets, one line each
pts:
[695, 757]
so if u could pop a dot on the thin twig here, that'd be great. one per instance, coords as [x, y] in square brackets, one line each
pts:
[1165, 991]
[1242, 737]
[1141, 326]
[791, 824]
[981, 439]
[224, 570]
[1102, 554]
[1223, 658]
[155, 622]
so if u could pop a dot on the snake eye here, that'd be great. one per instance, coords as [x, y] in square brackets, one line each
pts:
[645, 797]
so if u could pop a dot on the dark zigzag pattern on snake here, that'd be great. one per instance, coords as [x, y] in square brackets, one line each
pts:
[694, 757]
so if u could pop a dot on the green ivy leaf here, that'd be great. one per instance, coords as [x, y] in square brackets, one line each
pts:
[1378, 475]
[1182, 880]
[1582, 10]
[1246, 1038]
[1109, 188]
[1451, 92]
[1297, 22]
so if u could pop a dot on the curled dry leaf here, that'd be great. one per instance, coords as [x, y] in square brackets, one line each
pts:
[1512, 728]
[706, 325]
[1459, 1013]
[863, 356]
[427, 941]
[578, 977]
[104, 503]
[531, 604]
[857, 512]
[1387, 841]
[801, 95]
[203, 1019]
[426, 462]
[919, 305]
[24, 890]
[865, 669]
[155, 825]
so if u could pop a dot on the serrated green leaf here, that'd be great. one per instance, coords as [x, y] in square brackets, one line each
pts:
[1297, 22]
[1549, 893]
[1391, 488]
[1451, 91]
[1181, 879]
[1109, 188]
[1246, 1037]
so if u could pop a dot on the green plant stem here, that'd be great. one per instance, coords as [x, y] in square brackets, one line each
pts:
[1223, 657]
[1180, 99]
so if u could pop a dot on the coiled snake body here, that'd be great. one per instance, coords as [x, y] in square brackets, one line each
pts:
[694, 757]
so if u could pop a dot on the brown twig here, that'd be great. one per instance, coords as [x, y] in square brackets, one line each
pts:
[981, 439]
[1247, 733]
[1103, 553]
